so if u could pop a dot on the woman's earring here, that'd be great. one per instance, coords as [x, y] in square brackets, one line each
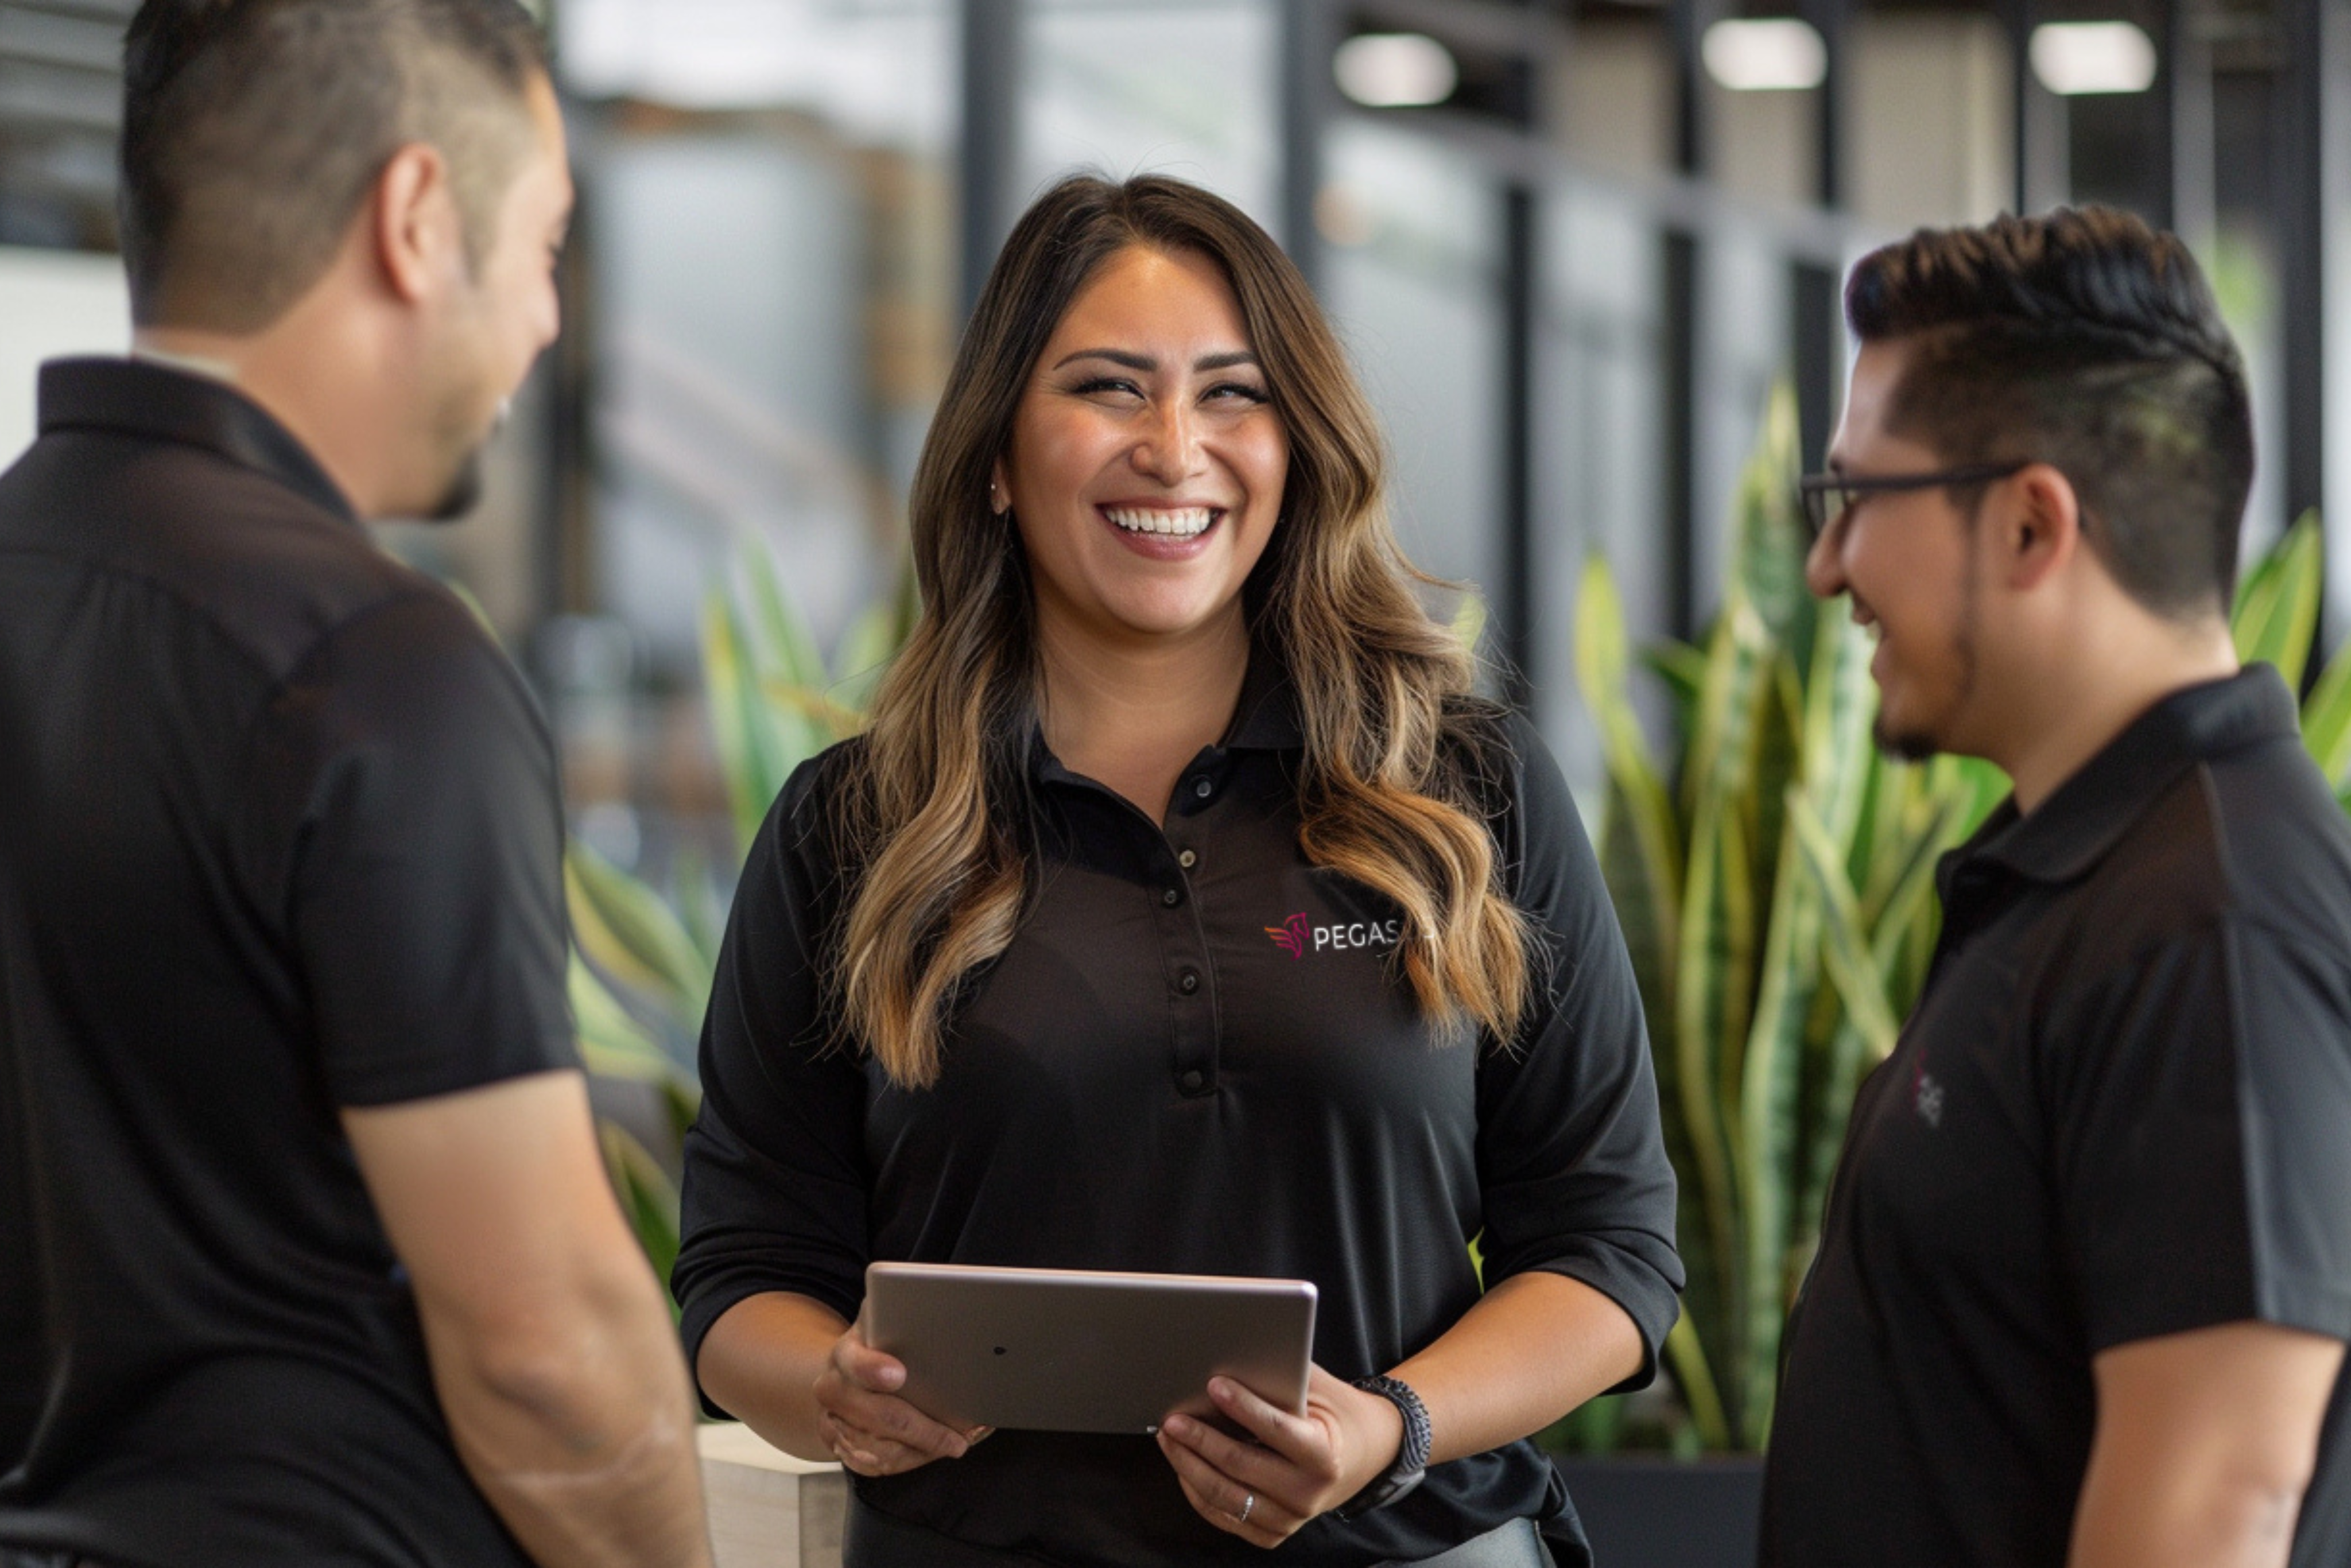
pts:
[996, 502]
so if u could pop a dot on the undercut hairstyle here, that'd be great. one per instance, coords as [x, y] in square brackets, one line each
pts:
[254, 130]
[2086, 339]
[1401, 755]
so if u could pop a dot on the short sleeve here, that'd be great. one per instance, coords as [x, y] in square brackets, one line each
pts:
[2199, 1103]
[775, 1189]
[1570, 1154]
[410, 782]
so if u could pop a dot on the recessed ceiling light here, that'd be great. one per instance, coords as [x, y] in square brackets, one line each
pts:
[2072, 58]
[1777, 54]
[1395, 70]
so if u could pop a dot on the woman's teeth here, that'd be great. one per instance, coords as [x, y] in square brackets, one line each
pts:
[1181, 523]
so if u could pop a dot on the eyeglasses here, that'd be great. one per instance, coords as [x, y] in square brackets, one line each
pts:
[1825, 498]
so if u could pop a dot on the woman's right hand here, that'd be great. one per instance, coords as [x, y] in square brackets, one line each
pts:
[868, 1428]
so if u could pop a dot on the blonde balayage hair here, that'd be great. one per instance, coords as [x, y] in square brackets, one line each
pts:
[1399, 753]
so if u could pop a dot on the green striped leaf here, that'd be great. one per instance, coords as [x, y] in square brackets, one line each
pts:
[613, 1043]
[1845, 952]
[635, 937]
[648, 1198]
[750, 754]
[2327, 719]
[1840, 699]
[2276, 612]
[1686, 1356]
[1769, 536]
[1769, 1106]
[1640, 802]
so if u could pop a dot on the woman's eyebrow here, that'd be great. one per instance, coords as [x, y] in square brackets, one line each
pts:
[1115, 356]
[1145, 363]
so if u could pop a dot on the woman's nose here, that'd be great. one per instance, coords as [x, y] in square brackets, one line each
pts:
[1169, 449]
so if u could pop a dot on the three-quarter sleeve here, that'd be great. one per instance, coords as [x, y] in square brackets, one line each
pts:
[1571, 1156]
[775, 1189]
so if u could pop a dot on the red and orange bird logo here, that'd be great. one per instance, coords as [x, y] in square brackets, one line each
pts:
[1290, 935]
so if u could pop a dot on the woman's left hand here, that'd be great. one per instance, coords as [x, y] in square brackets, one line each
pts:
[1297, 1466]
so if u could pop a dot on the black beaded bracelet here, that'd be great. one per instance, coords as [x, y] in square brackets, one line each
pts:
[1410, 1462]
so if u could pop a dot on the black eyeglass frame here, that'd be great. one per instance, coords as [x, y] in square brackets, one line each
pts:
[1814, 491]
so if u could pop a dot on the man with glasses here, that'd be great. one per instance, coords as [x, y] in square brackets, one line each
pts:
[2085, 1274]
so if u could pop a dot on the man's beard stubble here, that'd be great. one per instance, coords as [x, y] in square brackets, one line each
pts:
[463, 489]
[1923, 742]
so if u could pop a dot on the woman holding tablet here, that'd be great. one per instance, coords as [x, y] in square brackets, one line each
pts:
[1183, 910]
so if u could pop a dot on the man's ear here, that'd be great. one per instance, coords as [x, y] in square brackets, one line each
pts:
[413, 221]
[2039, 524]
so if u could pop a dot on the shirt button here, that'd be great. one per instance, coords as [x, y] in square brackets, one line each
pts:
[1192, 1080]
[1189, 981]
[1187, 860]
[1203, 788]
[1172, 897]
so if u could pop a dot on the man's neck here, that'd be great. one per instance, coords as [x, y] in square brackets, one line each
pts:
[2105, 684]
[144, 347]
[299, 374]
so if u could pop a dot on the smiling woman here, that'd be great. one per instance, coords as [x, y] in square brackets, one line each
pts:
[1183, 911]
[1145, 472]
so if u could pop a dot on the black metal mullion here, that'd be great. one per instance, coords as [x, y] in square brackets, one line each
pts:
[1517, 608]
[1309, 35]
[992, 71]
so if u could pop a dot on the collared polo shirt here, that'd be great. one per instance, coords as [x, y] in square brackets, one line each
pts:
[2122, 1109]
[1196, 1056]
[279, 833]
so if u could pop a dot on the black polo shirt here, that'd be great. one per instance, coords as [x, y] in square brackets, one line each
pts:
[2121, 1109]
[1196, 1056]
[279, 834]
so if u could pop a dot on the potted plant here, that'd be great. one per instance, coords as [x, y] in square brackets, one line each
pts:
[641, 963]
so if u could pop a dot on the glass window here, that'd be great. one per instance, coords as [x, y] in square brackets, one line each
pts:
[1599, 441]
[1414, 285]
[1127, 85]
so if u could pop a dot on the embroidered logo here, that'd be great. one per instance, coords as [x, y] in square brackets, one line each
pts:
[1297, 936]
[1290, 935]
[1925, 1094]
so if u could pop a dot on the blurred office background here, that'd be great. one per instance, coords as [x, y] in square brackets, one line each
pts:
[1572, 243]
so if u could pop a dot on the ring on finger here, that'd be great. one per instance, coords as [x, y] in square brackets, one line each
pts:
[1249, 1506]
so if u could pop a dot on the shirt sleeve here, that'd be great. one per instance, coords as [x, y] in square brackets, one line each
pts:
[1570, 1154]
[775, 1189]
[418, 838]
[2197, 1103]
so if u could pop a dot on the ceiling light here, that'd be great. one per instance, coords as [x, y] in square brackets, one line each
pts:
[2072, 58]
[1395, 70]
[1778, 54]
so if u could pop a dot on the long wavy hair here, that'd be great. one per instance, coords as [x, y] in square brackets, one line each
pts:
[1398, 750]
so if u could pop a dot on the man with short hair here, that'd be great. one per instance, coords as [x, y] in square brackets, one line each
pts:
[309, 1255]
[2085, 1274]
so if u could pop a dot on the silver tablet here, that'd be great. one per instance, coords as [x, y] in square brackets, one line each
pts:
[1074, 1350]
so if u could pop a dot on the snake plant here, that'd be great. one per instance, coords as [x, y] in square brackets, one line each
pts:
[641, 963]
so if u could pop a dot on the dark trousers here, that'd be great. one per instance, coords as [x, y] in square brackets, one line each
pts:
[19, 1557]
[874, 1540]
